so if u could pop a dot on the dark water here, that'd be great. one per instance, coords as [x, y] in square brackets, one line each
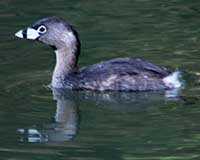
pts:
[37, 124]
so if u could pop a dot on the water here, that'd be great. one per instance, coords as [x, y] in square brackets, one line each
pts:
[41, 125]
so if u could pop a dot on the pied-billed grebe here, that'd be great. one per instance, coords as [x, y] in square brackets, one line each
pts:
[120, 74]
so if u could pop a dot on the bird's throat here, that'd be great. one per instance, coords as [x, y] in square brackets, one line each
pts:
[66, 63]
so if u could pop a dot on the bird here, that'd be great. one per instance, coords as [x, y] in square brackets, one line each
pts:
[118, 74]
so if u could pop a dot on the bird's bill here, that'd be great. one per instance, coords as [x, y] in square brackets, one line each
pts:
[28, 33]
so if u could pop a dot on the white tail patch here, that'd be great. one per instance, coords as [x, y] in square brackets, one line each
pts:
[172, 81]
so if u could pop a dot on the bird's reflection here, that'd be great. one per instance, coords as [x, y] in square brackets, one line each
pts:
[66, 123]
[67, 117]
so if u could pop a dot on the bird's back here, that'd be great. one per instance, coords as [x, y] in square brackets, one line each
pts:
[121, 74]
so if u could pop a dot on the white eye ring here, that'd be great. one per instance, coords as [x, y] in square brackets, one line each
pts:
[42, 29]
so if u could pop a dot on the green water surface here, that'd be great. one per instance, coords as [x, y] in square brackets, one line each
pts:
[37, 123]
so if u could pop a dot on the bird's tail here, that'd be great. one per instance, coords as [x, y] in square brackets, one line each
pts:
[173, 80]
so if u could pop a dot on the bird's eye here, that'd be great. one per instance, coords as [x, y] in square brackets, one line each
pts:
[42, 29]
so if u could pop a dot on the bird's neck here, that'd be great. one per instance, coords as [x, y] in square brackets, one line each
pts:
[66, 63]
